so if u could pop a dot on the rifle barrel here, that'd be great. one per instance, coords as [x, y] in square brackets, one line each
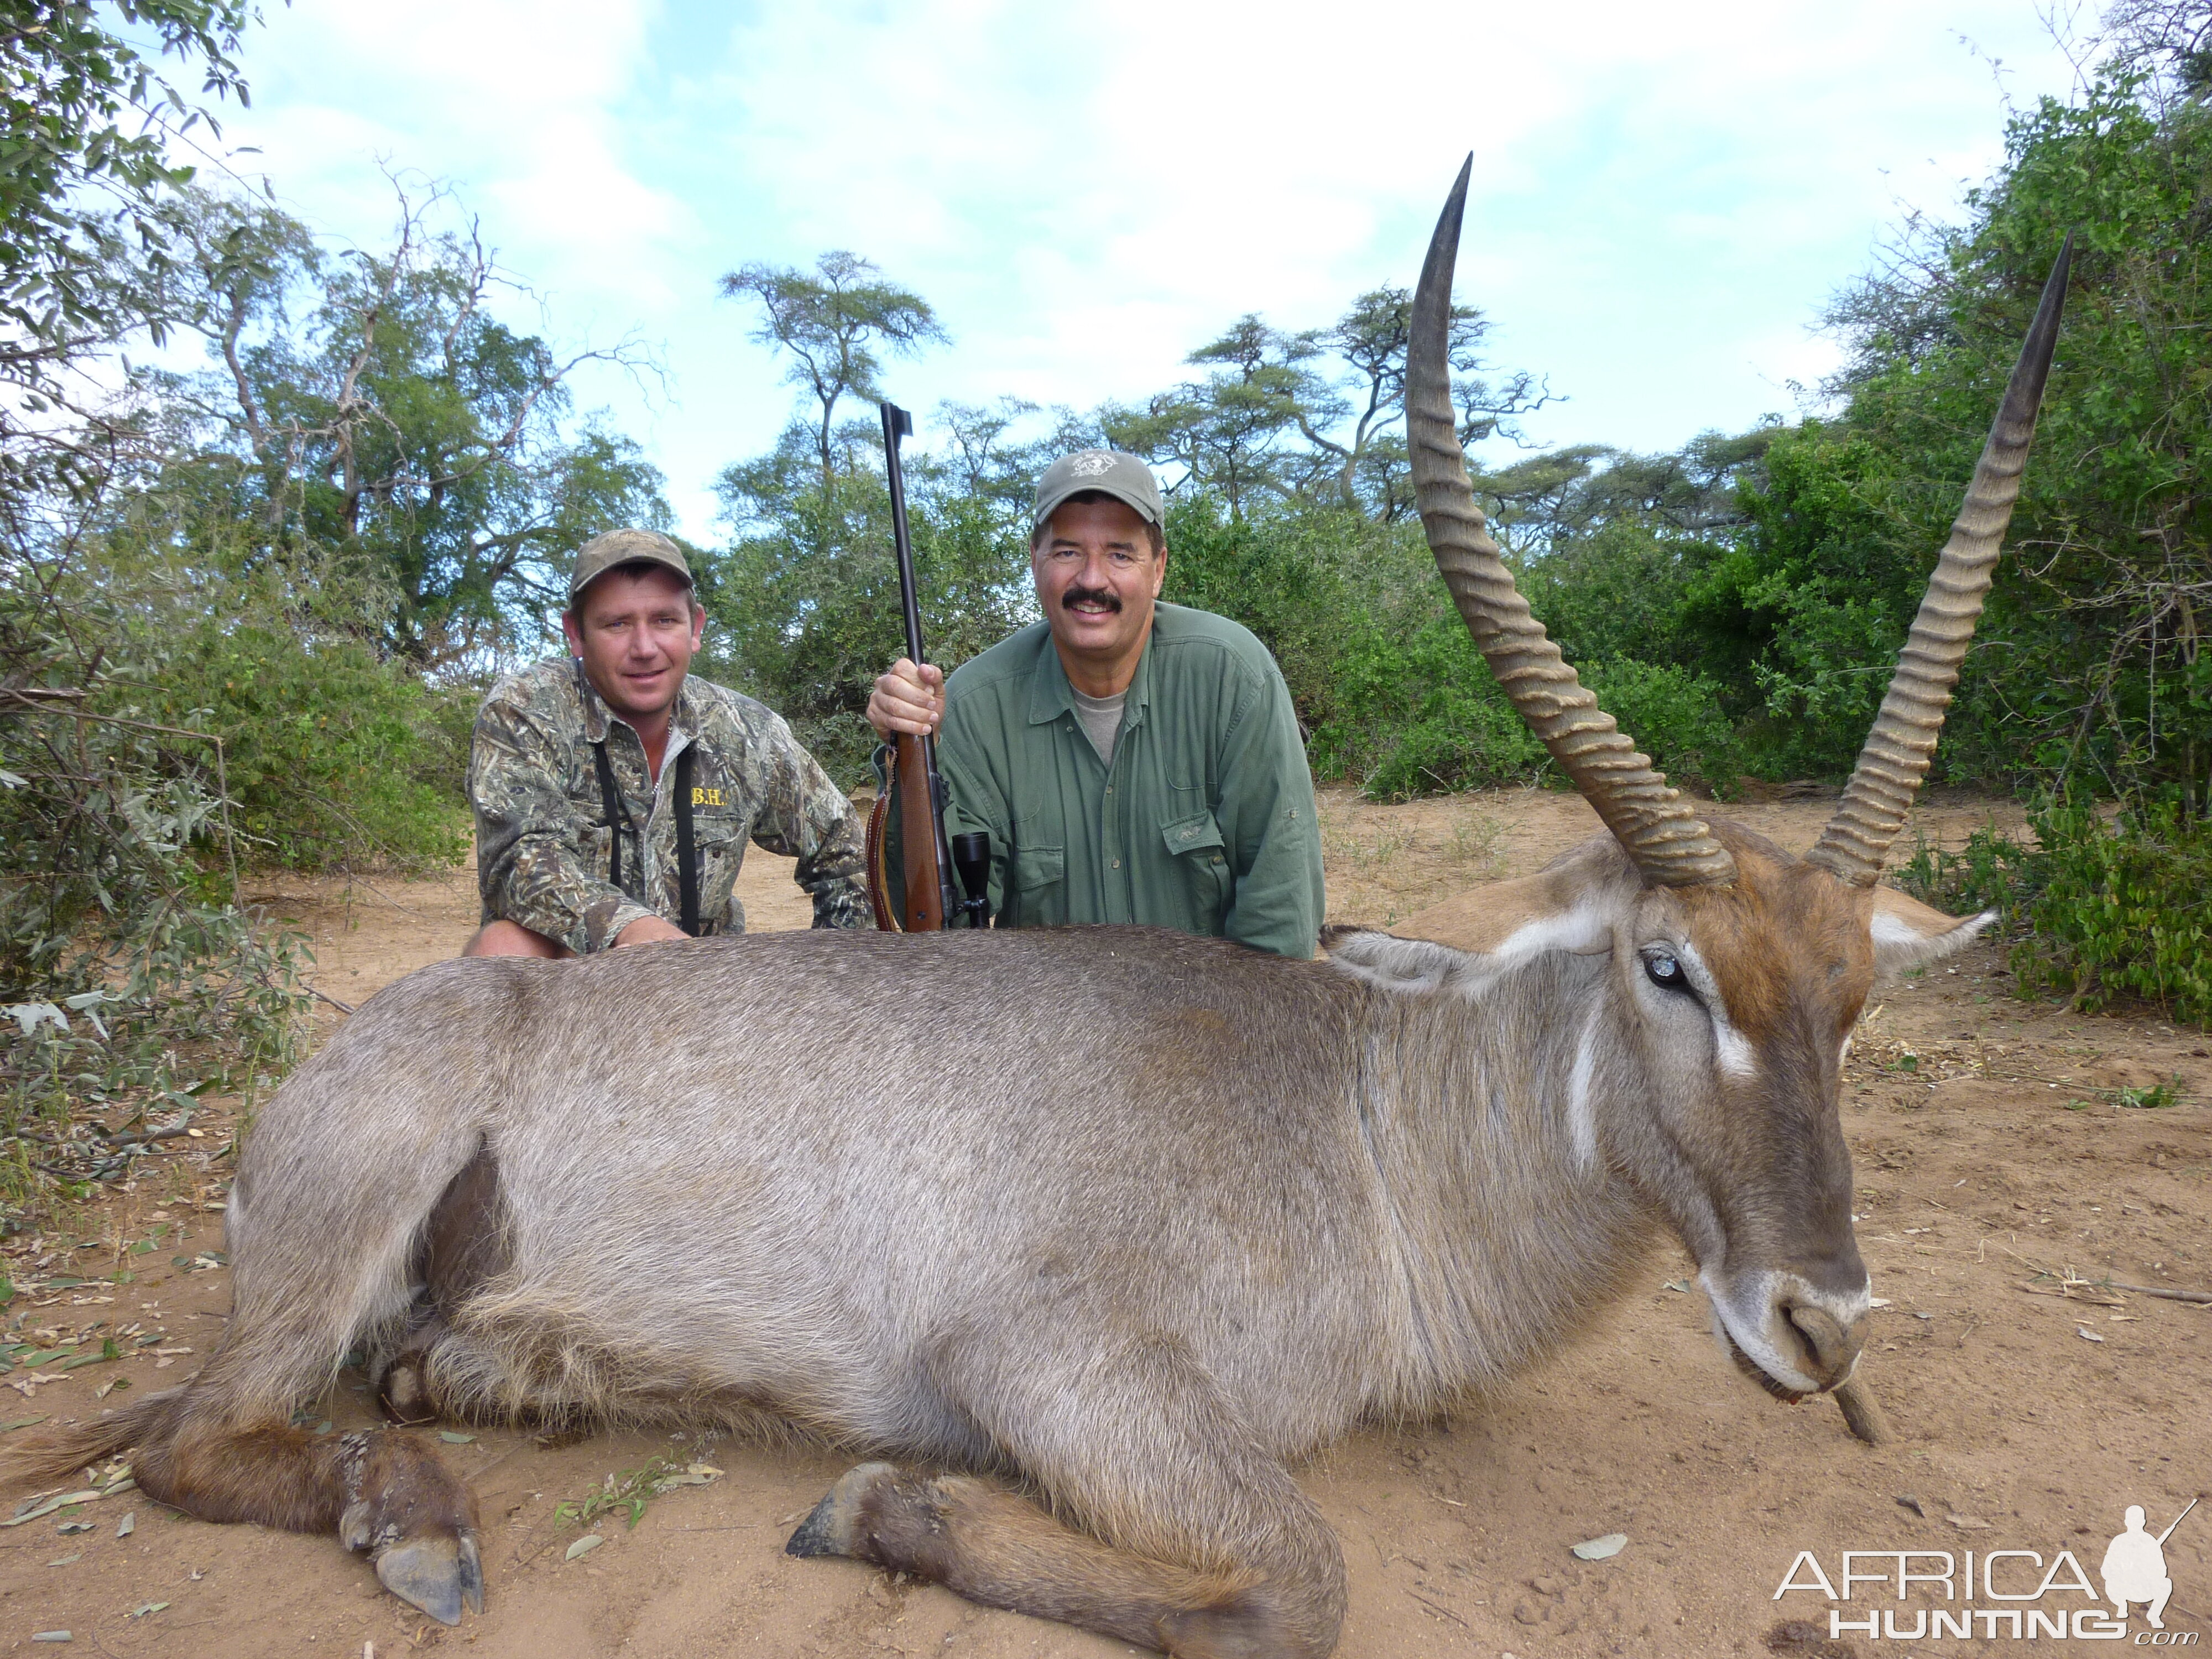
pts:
[898, 424]
[2178, 1520]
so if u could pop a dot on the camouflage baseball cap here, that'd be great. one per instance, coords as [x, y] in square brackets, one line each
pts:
[1108, 471]
[603, 553]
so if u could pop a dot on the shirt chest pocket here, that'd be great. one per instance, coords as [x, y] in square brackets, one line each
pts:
[1039, 867]
[1194, 842]
[1036, 874]
[718, 843]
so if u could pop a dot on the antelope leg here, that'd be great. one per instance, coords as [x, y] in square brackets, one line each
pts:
[385, 1493]
[1192, 1539]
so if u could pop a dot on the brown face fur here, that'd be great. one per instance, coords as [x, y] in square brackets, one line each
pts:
[1784, 958]
[1733, 1130]
[1785, 941]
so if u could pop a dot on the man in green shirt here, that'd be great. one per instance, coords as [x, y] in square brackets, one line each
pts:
[1132, 760]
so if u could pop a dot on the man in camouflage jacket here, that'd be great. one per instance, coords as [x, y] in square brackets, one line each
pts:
[576, 763]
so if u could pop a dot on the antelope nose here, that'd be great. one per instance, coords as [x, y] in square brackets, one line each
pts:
[1831, 1347]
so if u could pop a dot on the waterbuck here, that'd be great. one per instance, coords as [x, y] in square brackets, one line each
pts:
[1127, 1218]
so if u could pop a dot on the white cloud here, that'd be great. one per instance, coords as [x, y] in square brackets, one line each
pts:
[1663, 199]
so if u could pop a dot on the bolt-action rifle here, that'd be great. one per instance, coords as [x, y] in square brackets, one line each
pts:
[927, 858]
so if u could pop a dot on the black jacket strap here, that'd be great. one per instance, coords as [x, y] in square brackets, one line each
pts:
[617, 818]
[687, 865]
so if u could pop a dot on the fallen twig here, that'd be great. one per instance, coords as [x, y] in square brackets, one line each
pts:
[2065, 1293]
[2202, 1298]
[151, 1135]
[2069, 1281]
[1433, 1607]
[354, 881]
[324, 996]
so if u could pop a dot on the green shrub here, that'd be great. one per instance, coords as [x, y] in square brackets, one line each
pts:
[1991, 872]
[2122, 909]
[1421, 716]
[2108, 911]
[335, 760]
[123, 964]
[1674, 716]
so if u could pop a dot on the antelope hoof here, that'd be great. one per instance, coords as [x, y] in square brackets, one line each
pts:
[834, 1527]
[436, 1573]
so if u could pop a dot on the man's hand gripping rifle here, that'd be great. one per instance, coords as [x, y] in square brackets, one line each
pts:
[927, 859]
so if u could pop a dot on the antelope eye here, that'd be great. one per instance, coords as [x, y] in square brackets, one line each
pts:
[1664, 971]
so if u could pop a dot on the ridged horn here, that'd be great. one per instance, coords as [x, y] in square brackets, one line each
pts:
[1669, 843]
[1903, 741]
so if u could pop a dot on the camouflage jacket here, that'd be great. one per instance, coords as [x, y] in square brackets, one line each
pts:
[543, 842]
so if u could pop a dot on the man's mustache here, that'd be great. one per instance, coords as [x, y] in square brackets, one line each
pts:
[1076, 596]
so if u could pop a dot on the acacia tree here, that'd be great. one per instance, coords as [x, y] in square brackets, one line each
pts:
[1311, 417]
[1371, 340]
[370, 403]
[834, 322]
[1223, 431]
[86, 122]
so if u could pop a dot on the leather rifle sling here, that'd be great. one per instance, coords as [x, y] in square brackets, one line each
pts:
[877, 868]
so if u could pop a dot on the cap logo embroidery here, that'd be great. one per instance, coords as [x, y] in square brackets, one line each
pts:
[1091, 463]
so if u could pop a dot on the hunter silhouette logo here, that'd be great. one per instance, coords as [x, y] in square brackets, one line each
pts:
[1091, 463]
[2010, 1594]
[2133, 1568]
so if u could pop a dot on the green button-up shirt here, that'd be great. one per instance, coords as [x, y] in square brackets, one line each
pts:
[1204, 822]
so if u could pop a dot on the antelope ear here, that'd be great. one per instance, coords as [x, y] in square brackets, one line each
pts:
[1562, 907]
[1397, 964]
[1909, 934]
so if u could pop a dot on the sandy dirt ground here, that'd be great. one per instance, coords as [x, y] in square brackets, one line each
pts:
[1994, 1155]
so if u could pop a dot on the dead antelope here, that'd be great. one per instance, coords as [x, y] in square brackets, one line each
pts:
[1131, 1218]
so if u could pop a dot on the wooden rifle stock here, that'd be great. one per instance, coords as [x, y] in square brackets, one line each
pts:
[919, 828]
[924, 860]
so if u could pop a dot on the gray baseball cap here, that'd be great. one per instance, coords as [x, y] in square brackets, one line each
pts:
[603, 553]
[1108, 471]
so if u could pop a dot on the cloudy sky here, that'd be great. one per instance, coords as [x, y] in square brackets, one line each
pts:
[1663, 196]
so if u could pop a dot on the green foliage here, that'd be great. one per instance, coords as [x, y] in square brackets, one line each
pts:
[2150, 1097]
[373, 405]
[2107, 907]
[335, 760]
[1423, 717]
[86, 118]
[2121, 912]
[1383, 670]
[124, 955]
[1991, 872]
[1675, 716]
[2087, 665]
[628, 1493]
